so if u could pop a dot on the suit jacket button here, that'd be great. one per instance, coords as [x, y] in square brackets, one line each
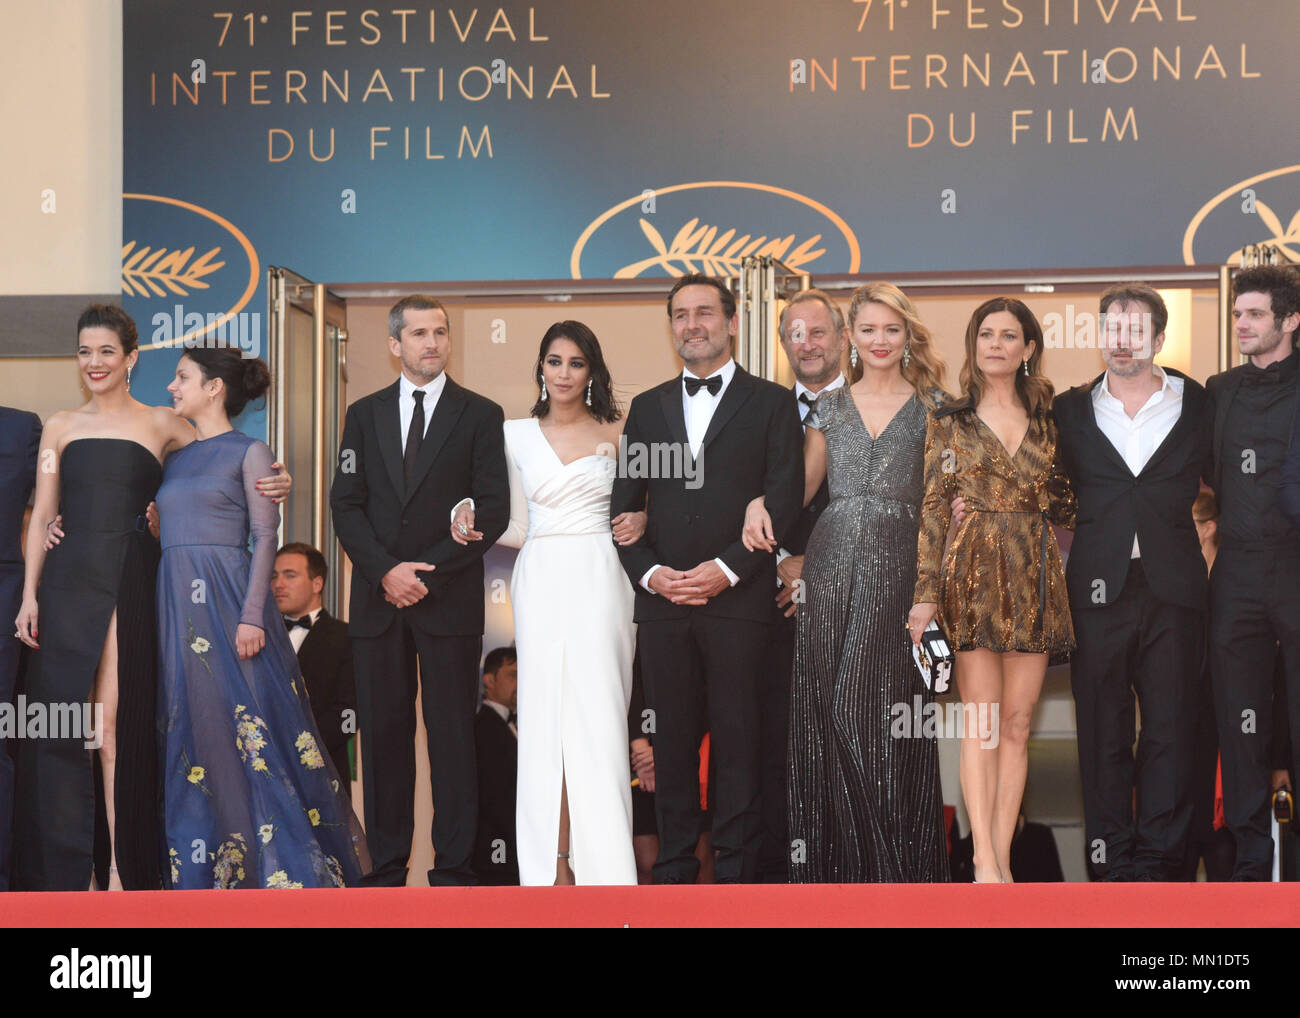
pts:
[403, 522]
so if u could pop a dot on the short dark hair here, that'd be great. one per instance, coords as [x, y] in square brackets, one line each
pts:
[699, 279]
[317, 567]
[415, 302]
[604, 407]
[110, 316]
[1125, 293]
[496, 658]
[1280, 282]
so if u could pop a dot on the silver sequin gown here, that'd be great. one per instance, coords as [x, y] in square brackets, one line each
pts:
[864, 807]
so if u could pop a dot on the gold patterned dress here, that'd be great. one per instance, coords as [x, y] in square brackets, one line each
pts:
[1000, 586]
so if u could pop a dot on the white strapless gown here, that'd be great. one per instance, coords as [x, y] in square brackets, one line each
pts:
[575, 639]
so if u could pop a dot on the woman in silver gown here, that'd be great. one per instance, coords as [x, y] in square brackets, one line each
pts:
[864, 797]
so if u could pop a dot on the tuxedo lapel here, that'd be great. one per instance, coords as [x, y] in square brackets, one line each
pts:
[1088, 412]
[388, 432]
[1222, 400]
[742, 385]
[445, 415]
[670, 402]
[314, 636]
[1193, 403]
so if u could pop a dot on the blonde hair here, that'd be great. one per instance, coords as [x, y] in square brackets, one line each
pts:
[923, 368]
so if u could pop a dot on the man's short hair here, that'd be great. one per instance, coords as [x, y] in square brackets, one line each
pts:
[1280, 282]
[496, 658]
[316, 564]
[1125, 293]
[415, 302]
[699, 279]
[806, 297]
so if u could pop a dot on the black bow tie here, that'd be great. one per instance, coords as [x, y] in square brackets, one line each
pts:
[305, 622]
[694, 385]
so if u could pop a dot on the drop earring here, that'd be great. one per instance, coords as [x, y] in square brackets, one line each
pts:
[853, 356]
[1026, 363]
[907, 354]
[128, 378]
[589, 392]
[543, 390]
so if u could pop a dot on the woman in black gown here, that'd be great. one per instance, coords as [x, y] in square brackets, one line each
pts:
[88, 609]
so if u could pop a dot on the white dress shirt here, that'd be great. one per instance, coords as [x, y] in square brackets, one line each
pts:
[804, 411]
[406, 402]
[1136, 438]
[698, 411]
[800, 389]
[298, 635]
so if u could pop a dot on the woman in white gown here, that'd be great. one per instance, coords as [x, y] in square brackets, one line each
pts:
[573, 620]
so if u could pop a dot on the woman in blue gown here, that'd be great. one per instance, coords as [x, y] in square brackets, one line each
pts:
[250, 798]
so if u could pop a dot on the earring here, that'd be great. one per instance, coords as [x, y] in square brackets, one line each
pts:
[1026, 363]
[128, 378]
[543, 389]
[853, 356]
[907, 354]
[589, 392]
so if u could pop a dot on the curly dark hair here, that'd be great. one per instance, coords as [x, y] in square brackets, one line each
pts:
[603, 405]
[1280, 282]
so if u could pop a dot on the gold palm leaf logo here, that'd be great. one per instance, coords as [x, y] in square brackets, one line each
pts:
[1287, 241]
[146, 271]
[716, 254]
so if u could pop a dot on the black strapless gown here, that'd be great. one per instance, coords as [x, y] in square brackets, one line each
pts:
[107, 560]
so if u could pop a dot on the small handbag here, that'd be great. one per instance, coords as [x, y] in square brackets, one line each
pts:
[934, 658]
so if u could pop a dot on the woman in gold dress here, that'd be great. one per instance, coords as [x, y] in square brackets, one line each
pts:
[999, 588]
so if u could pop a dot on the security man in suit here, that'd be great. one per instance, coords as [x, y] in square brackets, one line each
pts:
[324, 648]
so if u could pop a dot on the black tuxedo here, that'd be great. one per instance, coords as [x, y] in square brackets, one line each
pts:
[20, 439]
[1254, 596]
[753, 446]
[381, 521]
[325, 660]
[774, 716]
[1140, 627]
[496, 860]
[1288, 487]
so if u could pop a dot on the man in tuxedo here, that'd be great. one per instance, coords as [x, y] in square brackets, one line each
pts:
[20, 440]
[814, 337]
[409, 453]
[714, 438]
[1134, 442]
[496, 741]
[323, 646]
[1254, 596]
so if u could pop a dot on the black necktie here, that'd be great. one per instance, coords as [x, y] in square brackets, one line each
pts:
[305, 622]
[694, 385]
[414, 436]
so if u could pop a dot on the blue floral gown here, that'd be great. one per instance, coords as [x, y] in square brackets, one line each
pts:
[249, 798]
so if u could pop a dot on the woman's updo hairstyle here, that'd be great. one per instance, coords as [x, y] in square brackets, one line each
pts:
[245, 378]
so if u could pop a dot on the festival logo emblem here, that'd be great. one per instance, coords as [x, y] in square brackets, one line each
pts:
[1263, 209]
[710, 226]
[187, 275]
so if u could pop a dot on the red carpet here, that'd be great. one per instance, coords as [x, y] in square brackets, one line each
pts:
[1052, 905]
